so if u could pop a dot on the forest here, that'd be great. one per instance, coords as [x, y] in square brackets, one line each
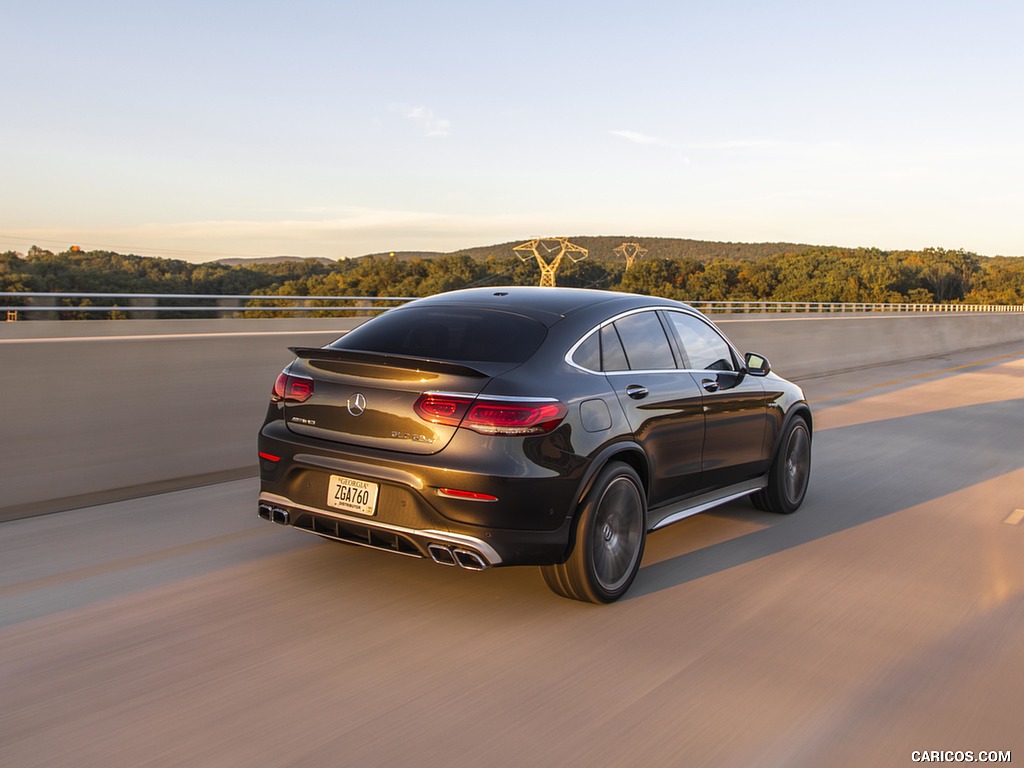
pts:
[678, 269]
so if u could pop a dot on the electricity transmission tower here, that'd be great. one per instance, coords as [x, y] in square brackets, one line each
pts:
[549, 245]
[630, 252]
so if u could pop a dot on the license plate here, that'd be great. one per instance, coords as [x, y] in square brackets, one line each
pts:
[351, 495]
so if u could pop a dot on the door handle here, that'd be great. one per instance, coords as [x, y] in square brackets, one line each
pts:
[710, 385]
[636, 391]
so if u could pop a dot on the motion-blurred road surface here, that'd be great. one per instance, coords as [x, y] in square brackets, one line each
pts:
[883, 618]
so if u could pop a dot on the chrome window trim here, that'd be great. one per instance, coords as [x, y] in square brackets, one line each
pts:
[681, 311]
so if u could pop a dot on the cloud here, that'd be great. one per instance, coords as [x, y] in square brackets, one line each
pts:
[742, 144]
[643, 139]
[638, 138]
[431, 125]
[332, 232]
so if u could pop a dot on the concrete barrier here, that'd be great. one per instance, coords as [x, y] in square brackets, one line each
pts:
[817, 345]
[103, 410]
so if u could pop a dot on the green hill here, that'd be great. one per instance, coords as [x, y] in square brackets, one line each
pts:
[689, 270]
[602, 249]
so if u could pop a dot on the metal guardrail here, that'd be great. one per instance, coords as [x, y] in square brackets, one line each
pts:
[224, 305]
[740, 307]
[240, 305]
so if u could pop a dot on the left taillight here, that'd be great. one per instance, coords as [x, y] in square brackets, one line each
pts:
[492, 416]
[291, 388]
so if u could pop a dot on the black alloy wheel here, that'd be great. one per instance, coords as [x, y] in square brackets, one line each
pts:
[611, 531]
[790, 473]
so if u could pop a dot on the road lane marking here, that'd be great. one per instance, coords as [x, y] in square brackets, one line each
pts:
[1015, 517]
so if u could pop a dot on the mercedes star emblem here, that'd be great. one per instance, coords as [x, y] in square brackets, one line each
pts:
[357, 404]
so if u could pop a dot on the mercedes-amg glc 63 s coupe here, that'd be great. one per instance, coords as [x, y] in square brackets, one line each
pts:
[528, 426]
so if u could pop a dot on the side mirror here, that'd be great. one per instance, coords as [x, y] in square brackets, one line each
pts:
[757, 365]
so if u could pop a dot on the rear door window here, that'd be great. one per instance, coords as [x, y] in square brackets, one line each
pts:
[645, 342]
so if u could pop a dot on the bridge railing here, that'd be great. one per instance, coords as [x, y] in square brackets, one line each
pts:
[150, 305]
[741, 307]
[43, 305]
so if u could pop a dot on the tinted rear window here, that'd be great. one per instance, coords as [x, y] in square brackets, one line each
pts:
[645, 342]
[458, 333]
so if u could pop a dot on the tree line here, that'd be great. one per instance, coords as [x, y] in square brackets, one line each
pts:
[826, 274]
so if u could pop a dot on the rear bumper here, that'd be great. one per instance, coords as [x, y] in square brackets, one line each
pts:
[529, 524]
[443, 547]
[535, 480]
[469, 548]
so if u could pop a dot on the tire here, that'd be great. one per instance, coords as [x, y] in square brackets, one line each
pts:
[790, 472]
[611, 530]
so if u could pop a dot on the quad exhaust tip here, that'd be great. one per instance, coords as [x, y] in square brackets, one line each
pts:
[273, 514]
[455, 556]
[442, 554]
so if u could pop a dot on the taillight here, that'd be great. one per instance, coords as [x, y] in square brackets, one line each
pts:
[442, 409]
[291, 388]
[492, 416]
[279, 387]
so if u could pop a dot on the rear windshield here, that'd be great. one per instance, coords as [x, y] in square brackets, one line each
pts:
[461, 334]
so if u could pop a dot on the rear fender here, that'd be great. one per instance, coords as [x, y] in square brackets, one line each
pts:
[627, 452]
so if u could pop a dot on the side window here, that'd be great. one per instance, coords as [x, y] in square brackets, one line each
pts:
[613, 358]
[645, 343]
[703, 347]
[588, 354]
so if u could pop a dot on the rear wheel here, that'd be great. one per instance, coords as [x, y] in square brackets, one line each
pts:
[790, 472]
[611, 529]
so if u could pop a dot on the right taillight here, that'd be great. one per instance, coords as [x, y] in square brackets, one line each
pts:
[291, 388]
[492, 416]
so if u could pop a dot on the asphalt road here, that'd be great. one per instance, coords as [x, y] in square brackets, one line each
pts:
[885, 617]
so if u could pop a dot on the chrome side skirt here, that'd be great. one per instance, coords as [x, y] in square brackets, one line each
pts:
[673, 513]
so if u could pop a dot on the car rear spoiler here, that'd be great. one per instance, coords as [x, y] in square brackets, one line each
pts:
[390, 361]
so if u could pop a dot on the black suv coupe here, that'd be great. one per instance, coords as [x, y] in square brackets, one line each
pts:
[528, 426]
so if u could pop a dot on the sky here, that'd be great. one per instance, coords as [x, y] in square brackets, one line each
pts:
[333, 128]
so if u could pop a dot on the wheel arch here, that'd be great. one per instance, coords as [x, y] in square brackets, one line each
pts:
[800, 410]
[628, 453]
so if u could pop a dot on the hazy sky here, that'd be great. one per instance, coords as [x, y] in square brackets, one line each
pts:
[205, 129]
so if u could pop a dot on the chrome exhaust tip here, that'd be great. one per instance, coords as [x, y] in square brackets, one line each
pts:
[441, 554]
[266, 512]
[280, 516]
[469, 560]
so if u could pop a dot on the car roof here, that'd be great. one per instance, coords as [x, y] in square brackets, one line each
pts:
[545, 304]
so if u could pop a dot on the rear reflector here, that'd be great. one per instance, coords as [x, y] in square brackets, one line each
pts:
[291, 388]
[491, 417]
[269, 456]
[454, 493]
